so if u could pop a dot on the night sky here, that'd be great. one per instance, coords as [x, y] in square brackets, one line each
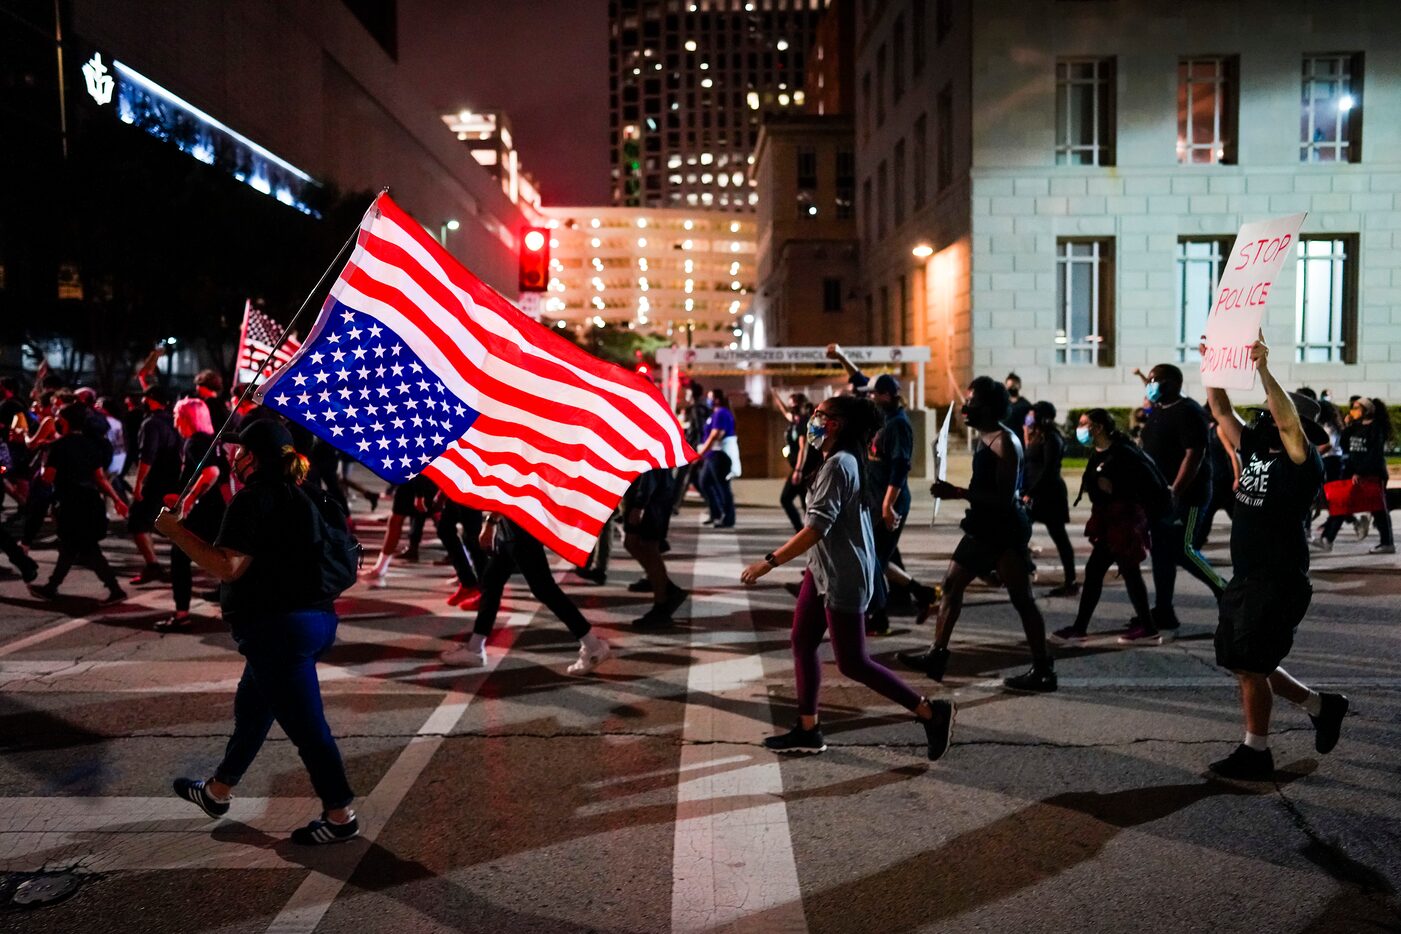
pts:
[544, 61]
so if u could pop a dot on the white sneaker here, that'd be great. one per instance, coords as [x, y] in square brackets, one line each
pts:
[1382, 550]
[1321, 544]
[589, 660]
[377, 581]
[1362, 526]
[463, 657]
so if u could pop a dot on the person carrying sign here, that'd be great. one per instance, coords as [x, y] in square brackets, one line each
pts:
[1269, 593]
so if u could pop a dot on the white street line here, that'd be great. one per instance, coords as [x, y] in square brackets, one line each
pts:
[313, 898]
[728, 865]
[153, 599]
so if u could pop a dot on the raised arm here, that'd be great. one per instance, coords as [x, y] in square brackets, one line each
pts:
[835, 352]
[1291, 430]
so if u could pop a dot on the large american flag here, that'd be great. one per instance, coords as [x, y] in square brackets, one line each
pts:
[416, 366]
[256, 340]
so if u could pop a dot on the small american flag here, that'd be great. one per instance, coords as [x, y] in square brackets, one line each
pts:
[416, 366]
[256, 340]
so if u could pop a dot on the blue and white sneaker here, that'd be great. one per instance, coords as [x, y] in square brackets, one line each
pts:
[322, 831]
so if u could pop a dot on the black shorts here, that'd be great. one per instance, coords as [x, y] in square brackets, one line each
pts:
[142, 517]
[1258, 616]
[981, 556]
[652, 528]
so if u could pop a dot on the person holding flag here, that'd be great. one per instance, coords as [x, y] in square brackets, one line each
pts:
[1269, 592]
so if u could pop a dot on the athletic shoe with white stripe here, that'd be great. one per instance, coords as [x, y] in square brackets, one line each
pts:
[322, 831]
[194, 791]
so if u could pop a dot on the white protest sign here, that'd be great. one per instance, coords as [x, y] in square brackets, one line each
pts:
[1252, 268]
[941, 455]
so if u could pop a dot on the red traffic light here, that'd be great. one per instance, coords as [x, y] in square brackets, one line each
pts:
[534, 260]
[644, 369]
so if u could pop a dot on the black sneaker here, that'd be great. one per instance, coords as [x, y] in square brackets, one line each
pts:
[28, 569]
[1246, 765]
[193, 790]
[1329, 722]
[1034, 680]
[925, 598]
[321, 831]
[640, 586]
[1071, 589]
[932, 662]
[1166, 620]
[47, 591]
[598, 578]
[798, 741]
[938, 729]
[115, 594]
[675, 596]
[878, 624]
[655, 618]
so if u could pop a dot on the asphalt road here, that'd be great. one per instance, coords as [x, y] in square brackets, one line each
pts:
[638, 799]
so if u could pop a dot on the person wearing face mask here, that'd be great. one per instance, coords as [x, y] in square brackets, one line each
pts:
[888, 467]
[266, 558]
[839, 581]
[1123, 486]
[719, 456]
[1044, 494]
[1364, 442]
[1175, 437]
[1021, 407]
[996, 531]
[1269, 593]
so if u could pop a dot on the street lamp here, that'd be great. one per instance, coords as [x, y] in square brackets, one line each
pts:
[923, 251]
[443, 229]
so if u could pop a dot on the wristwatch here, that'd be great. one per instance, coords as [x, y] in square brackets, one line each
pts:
[771, 560]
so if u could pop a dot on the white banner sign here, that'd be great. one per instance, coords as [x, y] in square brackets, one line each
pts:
[670, 356]
[1251, 270]
[941, 455]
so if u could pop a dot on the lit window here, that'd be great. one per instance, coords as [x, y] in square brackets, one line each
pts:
[1084, 112]
[1331, 122]
[1083, 283]
[691, 43]
[1198, 269]
[1325, 302]
[1206, 111]
[734, 226]
[596, 243]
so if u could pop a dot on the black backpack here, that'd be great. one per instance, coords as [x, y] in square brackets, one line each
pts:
[1157, 495]
[338, 552]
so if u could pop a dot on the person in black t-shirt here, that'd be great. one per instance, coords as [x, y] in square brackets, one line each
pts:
[1364, 442]
[74, 469]
[1175, 437]
[158, 447]
[1044, 491]
[1021, 407]
[266, 557]
[695, 414]
[801, 466]
[996, 531]
[1270, 591]
[645, 509]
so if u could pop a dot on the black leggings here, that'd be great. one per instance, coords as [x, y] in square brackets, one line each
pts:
[793, 491]
[1061, 538]
[466, 555]
[523, 553]
[205, 519]
[1095, 569]
[85, 553]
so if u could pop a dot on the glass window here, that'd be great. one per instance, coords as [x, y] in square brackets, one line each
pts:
[1330, 122]
[866, 104]
[846, 183]
[943, 113]
[866, 202]
[919, 22]
[1325, 307]
[1206, 111]
[1083, 302]
[897, 44]
[881, 75]
[831, 294]
[807, 168]
[898, 186]
[1084, 112]
[921, 173]
[1198, 271]
[882, 199]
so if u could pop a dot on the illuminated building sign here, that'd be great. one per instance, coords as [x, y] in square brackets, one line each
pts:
[99, 81]
[143, 103]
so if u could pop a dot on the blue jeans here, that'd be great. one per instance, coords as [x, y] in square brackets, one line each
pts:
[279, 683]
[715, 486]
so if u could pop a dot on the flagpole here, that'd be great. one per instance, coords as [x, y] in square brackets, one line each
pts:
[248, 391]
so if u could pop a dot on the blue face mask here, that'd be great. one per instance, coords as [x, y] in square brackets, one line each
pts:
[1082, 434]
[1153, 391]
[816, 434]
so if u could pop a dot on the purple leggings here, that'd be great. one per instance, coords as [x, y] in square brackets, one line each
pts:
[810, 621]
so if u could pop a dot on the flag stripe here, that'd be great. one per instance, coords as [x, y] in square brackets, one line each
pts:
[555, 470]
[571, 408]
[527, 512]
[583, 511]
[455, 369]
[547, 378]
[499, 317]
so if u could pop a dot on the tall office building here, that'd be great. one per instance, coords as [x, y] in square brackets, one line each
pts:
[689, 81]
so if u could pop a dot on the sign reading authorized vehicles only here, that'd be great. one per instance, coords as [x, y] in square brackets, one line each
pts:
[672, 356]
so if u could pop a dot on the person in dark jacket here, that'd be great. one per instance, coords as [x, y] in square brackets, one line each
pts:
[158, 447]
[74, 470]
[1364, 442]
[1044, 493]
[645, 508]
[1122, 484]
[266, 558]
